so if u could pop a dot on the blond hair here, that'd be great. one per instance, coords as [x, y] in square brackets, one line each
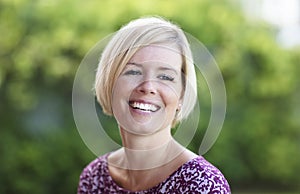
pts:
[127, 41]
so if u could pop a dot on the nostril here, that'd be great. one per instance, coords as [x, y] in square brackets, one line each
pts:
[147, 87]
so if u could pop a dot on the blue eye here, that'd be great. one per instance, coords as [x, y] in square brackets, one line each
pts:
[166, 77]
[133, 72]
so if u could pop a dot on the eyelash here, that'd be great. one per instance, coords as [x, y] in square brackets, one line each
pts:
[162, 76]
[133, 72]
[166, 77]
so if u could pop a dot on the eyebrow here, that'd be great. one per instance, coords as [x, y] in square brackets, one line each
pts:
[168, 69]
[160, 68]
[136, 64]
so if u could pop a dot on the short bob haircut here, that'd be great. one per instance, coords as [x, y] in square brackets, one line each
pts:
[127, 41]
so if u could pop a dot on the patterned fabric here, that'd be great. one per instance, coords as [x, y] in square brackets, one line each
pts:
[194, 176]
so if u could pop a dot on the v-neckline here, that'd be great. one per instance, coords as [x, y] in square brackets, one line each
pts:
[119, 188]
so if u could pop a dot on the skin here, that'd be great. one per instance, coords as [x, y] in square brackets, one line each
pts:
[145, 99]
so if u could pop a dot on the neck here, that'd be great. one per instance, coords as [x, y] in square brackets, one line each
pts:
[142, 152]
[145, 142]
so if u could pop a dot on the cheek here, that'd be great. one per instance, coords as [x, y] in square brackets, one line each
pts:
[122, 90]
[123, 85]
[171, 96]
[117, 93]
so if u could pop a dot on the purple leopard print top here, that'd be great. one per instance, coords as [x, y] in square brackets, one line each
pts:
[194, 176]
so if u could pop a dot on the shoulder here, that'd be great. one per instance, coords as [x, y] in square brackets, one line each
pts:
[93, 175]
[210, 176]
[200, 176]
[97, 166]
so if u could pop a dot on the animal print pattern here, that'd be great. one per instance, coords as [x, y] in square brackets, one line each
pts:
[194, 176]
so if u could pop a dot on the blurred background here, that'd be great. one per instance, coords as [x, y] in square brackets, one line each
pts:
[256, 44]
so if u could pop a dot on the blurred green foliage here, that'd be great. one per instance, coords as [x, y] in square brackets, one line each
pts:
[42, 43]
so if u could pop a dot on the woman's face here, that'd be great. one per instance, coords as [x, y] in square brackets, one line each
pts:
[148, 91]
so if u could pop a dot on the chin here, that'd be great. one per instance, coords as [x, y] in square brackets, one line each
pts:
[142, 129]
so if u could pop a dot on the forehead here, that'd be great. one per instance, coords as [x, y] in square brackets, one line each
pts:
[158, 54]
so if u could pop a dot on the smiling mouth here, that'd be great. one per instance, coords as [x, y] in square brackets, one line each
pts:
[147, 107]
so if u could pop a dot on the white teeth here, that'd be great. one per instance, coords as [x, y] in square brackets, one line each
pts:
[144, 107]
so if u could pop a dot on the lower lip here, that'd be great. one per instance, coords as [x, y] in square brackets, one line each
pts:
[141, 112]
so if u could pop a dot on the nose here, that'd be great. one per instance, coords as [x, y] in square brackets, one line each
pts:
[147, 87]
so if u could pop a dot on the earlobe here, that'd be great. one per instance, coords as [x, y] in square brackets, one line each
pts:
[178, 107]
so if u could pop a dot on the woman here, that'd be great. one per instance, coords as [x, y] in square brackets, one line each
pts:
[146, 80]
